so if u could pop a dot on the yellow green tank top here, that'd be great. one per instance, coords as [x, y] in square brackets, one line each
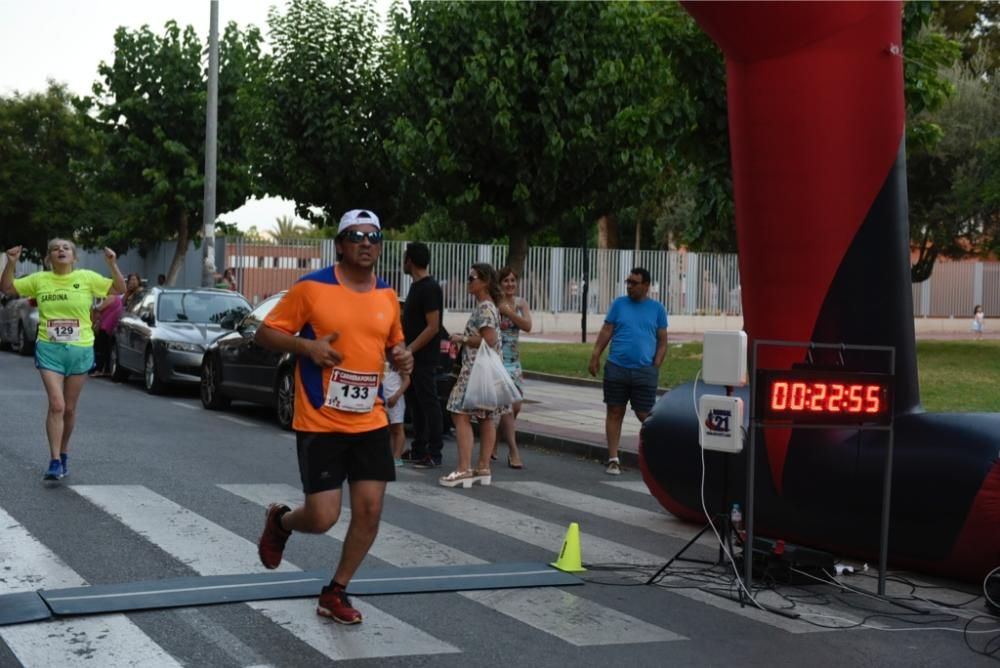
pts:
[64, 302]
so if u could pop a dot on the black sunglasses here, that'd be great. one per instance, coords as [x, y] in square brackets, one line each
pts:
[357, 236]
[631, 282]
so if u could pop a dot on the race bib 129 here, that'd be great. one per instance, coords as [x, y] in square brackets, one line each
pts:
[63, 331]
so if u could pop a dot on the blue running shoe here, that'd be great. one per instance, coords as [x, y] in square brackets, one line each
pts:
[64, 459]
[55, 471]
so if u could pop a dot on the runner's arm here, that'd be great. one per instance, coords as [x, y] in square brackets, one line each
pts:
[401, 358]
[318, 350]
[118, 281]
[7, 278]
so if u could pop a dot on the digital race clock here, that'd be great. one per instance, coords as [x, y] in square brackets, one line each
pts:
[823, 396]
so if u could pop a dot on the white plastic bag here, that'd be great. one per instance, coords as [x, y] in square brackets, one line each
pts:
[490, 386]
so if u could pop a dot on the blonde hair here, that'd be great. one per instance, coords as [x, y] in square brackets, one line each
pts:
[48, 250]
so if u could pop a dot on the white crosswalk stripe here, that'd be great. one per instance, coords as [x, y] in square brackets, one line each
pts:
[559, 613]
[630, 485]
[106, 640]
[548, 536]
[658, 522]
[210, 549]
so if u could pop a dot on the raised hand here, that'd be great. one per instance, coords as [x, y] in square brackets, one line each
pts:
[321, 353]
[109, 255]
[14, 253]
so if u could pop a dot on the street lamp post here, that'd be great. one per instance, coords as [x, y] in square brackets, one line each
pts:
[211, 134]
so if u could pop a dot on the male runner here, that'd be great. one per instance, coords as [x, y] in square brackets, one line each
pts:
[342, 430]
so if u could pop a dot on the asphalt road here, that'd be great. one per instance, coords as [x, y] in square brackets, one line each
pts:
[161, 488]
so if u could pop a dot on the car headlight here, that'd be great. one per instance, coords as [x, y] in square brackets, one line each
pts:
[180, 346]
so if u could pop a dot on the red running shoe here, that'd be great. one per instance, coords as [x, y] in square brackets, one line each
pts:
[272, 540]
[333, 603]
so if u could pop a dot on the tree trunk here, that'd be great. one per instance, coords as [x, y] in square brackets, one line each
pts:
[603, 275]
[183, 237]
[926, 257]
[517, 250]
[638, 236]
[607, 231]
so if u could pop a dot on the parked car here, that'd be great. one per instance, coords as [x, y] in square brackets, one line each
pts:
[235, 367]
[18, 324]
[163, 333]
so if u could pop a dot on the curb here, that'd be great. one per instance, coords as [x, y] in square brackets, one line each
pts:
[570, 446]
[573, 447]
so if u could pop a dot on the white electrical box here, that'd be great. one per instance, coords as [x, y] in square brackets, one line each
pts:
[721, 423]
[724, 358]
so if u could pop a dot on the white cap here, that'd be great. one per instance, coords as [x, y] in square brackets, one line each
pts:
[358, 217]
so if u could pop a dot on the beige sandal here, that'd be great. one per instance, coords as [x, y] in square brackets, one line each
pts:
[483, 476]
[456, 478]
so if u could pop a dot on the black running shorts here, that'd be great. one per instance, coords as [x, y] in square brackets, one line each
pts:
[326, 460]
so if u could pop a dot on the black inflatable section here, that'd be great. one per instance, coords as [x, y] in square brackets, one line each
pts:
[868, 302]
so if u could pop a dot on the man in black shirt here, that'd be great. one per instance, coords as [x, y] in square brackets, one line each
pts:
[421, 323]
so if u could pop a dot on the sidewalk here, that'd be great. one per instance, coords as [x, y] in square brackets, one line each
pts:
[569, 416]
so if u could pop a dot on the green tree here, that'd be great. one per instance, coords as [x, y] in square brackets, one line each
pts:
[527, 118]
[150, 109]
[325, 111]
[955, 203]
[46, 149]
[697, 211]
[976, 27]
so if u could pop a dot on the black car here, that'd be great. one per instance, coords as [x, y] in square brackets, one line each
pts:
[163, 333]
[235, 367]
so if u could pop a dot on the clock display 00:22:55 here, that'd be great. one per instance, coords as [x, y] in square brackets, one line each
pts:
[825, 397]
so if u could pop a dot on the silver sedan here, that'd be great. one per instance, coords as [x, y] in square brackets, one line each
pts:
[163, 333]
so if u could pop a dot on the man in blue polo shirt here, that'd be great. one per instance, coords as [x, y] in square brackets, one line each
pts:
[636, 327]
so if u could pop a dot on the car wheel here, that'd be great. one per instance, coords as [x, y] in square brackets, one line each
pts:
[118, 372]
[211, 394]
[151, 375]
[25, 346]
[285, 397]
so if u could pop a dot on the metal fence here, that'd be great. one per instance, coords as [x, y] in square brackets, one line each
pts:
[552, 280]
[955, 288]
[686, 283]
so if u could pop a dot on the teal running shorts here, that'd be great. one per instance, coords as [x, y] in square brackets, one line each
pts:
[63, 358]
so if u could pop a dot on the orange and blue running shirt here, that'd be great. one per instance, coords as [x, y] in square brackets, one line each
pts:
[367, 323]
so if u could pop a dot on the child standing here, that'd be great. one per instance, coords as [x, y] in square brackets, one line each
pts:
[394, 385]
[977, 321]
